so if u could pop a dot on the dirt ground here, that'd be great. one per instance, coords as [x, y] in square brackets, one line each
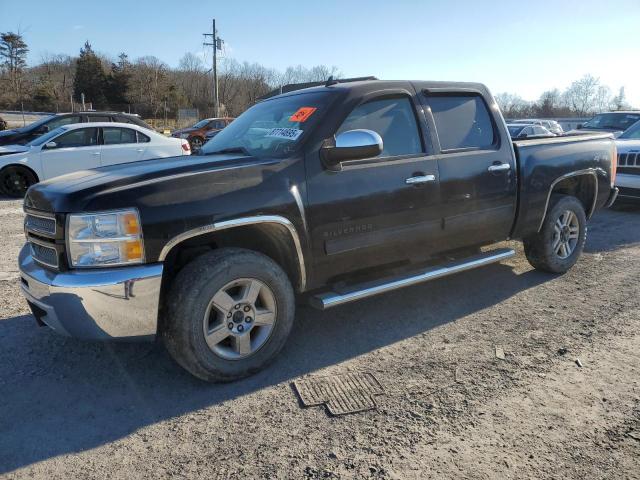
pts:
[450, 409]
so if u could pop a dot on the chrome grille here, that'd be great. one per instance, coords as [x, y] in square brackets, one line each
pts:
[631, 159]
[44, 254]
[40, 224]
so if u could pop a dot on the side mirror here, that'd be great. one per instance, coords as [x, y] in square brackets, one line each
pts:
[50, 145]
[579, 126]
[351, 145]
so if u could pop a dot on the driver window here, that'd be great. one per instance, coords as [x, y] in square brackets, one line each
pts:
[81, 137]
[393, 119]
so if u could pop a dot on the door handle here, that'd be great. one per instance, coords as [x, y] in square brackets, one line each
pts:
[500, 167]
[420, 179]
[96, 153]
[140, 150]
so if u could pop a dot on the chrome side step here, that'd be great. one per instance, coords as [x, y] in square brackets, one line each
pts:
[326, 300]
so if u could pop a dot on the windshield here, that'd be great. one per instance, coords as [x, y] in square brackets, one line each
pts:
[514, 130]
[632, 133]
[272, 128]
[42, 139]
[36, 124]
[201, 123]
[613, 121]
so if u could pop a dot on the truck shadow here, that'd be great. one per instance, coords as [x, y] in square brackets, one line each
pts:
[605, 233]
[62, 396]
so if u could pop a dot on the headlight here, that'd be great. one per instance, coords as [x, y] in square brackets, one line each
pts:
[105, 239]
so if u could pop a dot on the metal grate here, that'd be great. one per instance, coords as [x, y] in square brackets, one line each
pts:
[631, 159]
[40, 224]
[45, 255]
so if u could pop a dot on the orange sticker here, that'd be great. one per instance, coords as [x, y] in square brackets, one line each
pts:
[303, 114]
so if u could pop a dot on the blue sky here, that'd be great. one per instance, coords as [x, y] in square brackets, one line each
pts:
[523, 47]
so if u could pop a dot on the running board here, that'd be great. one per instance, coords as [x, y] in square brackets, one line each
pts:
[326, 300]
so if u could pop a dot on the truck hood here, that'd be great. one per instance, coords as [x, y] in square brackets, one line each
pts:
[80, 191]
[626, 146]
[616, 133]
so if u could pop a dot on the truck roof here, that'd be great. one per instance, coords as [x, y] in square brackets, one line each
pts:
[365, 86]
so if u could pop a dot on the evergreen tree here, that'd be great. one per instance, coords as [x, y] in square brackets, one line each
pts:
[13, 55]
[90, 78]
[118, 81]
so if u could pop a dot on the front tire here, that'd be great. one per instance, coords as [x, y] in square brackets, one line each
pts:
[16, 180]
[229, 314]
[196, 143]
[559, 243]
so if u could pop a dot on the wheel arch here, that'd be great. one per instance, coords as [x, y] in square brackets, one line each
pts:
[582, 184]
[20, 165]
[274, 236]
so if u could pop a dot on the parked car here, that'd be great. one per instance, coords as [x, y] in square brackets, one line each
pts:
[23, 135]
[611, 122]
[337, 192]
[628, 178]
[551, 125]
[81, 146]
[520, 130]
[196, 134]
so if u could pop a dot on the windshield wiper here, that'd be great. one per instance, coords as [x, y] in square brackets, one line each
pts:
[232, 150]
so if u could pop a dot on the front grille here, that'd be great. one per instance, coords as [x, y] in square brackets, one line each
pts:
[40, 224]
[631, 159]
[44, 254]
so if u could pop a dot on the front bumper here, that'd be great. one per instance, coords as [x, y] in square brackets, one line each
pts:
[98, 304]
[629, 185]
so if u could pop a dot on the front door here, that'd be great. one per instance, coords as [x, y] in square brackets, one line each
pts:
[74, 150]
[477, 171]
[377, 212]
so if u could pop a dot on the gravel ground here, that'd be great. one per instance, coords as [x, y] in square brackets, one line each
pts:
[450, 409]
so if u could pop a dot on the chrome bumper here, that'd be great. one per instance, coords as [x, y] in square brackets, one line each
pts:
[99, 304]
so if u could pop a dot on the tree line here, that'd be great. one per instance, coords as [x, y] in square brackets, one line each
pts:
[582, 98]
[149, 87]
[146, 85]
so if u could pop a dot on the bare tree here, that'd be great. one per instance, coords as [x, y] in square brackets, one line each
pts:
[582, 95]
[512, 106]
[619, 102]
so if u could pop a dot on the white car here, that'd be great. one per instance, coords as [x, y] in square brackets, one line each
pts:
[81, 146]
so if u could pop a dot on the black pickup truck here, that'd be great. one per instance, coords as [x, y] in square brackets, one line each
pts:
[333, 193]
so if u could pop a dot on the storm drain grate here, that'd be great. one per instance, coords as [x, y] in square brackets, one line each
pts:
[346, 393]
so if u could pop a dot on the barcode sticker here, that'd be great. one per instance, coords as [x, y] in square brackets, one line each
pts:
[286, 133]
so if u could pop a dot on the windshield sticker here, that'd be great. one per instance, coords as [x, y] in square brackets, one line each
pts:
[303, 114]
[286, 133]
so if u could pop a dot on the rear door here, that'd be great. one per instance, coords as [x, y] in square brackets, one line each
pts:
[370, 214]
[119, 145]
[477, 167]
[75, 150]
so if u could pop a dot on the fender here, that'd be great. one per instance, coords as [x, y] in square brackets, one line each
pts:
[240, 222]
[588, 171]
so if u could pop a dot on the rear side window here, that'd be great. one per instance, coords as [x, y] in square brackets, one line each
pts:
[142, 138]
[58, 122]
[462, 122]
[115, 136]
[393, 119]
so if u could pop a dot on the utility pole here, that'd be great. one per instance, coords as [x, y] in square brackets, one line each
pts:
[216, 43]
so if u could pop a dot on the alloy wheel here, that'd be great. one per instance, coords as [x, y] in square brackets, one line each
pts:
[240, 318]
[566, 232]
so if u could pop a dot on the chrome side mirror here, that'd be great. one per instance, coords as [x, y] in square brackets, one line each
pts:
[50, 145]
[351, 145]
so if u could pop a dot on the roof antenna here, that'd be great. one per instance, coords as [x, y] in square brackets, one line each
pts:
[330, 81]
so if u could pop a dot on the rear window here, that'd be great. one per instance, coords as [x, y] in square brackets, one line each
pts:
[462, 122]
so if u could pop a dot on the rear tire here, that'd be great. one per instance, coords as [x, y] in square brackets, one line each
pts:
[229, 313]
[16, 180]
[559, 243]
[196, 143]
